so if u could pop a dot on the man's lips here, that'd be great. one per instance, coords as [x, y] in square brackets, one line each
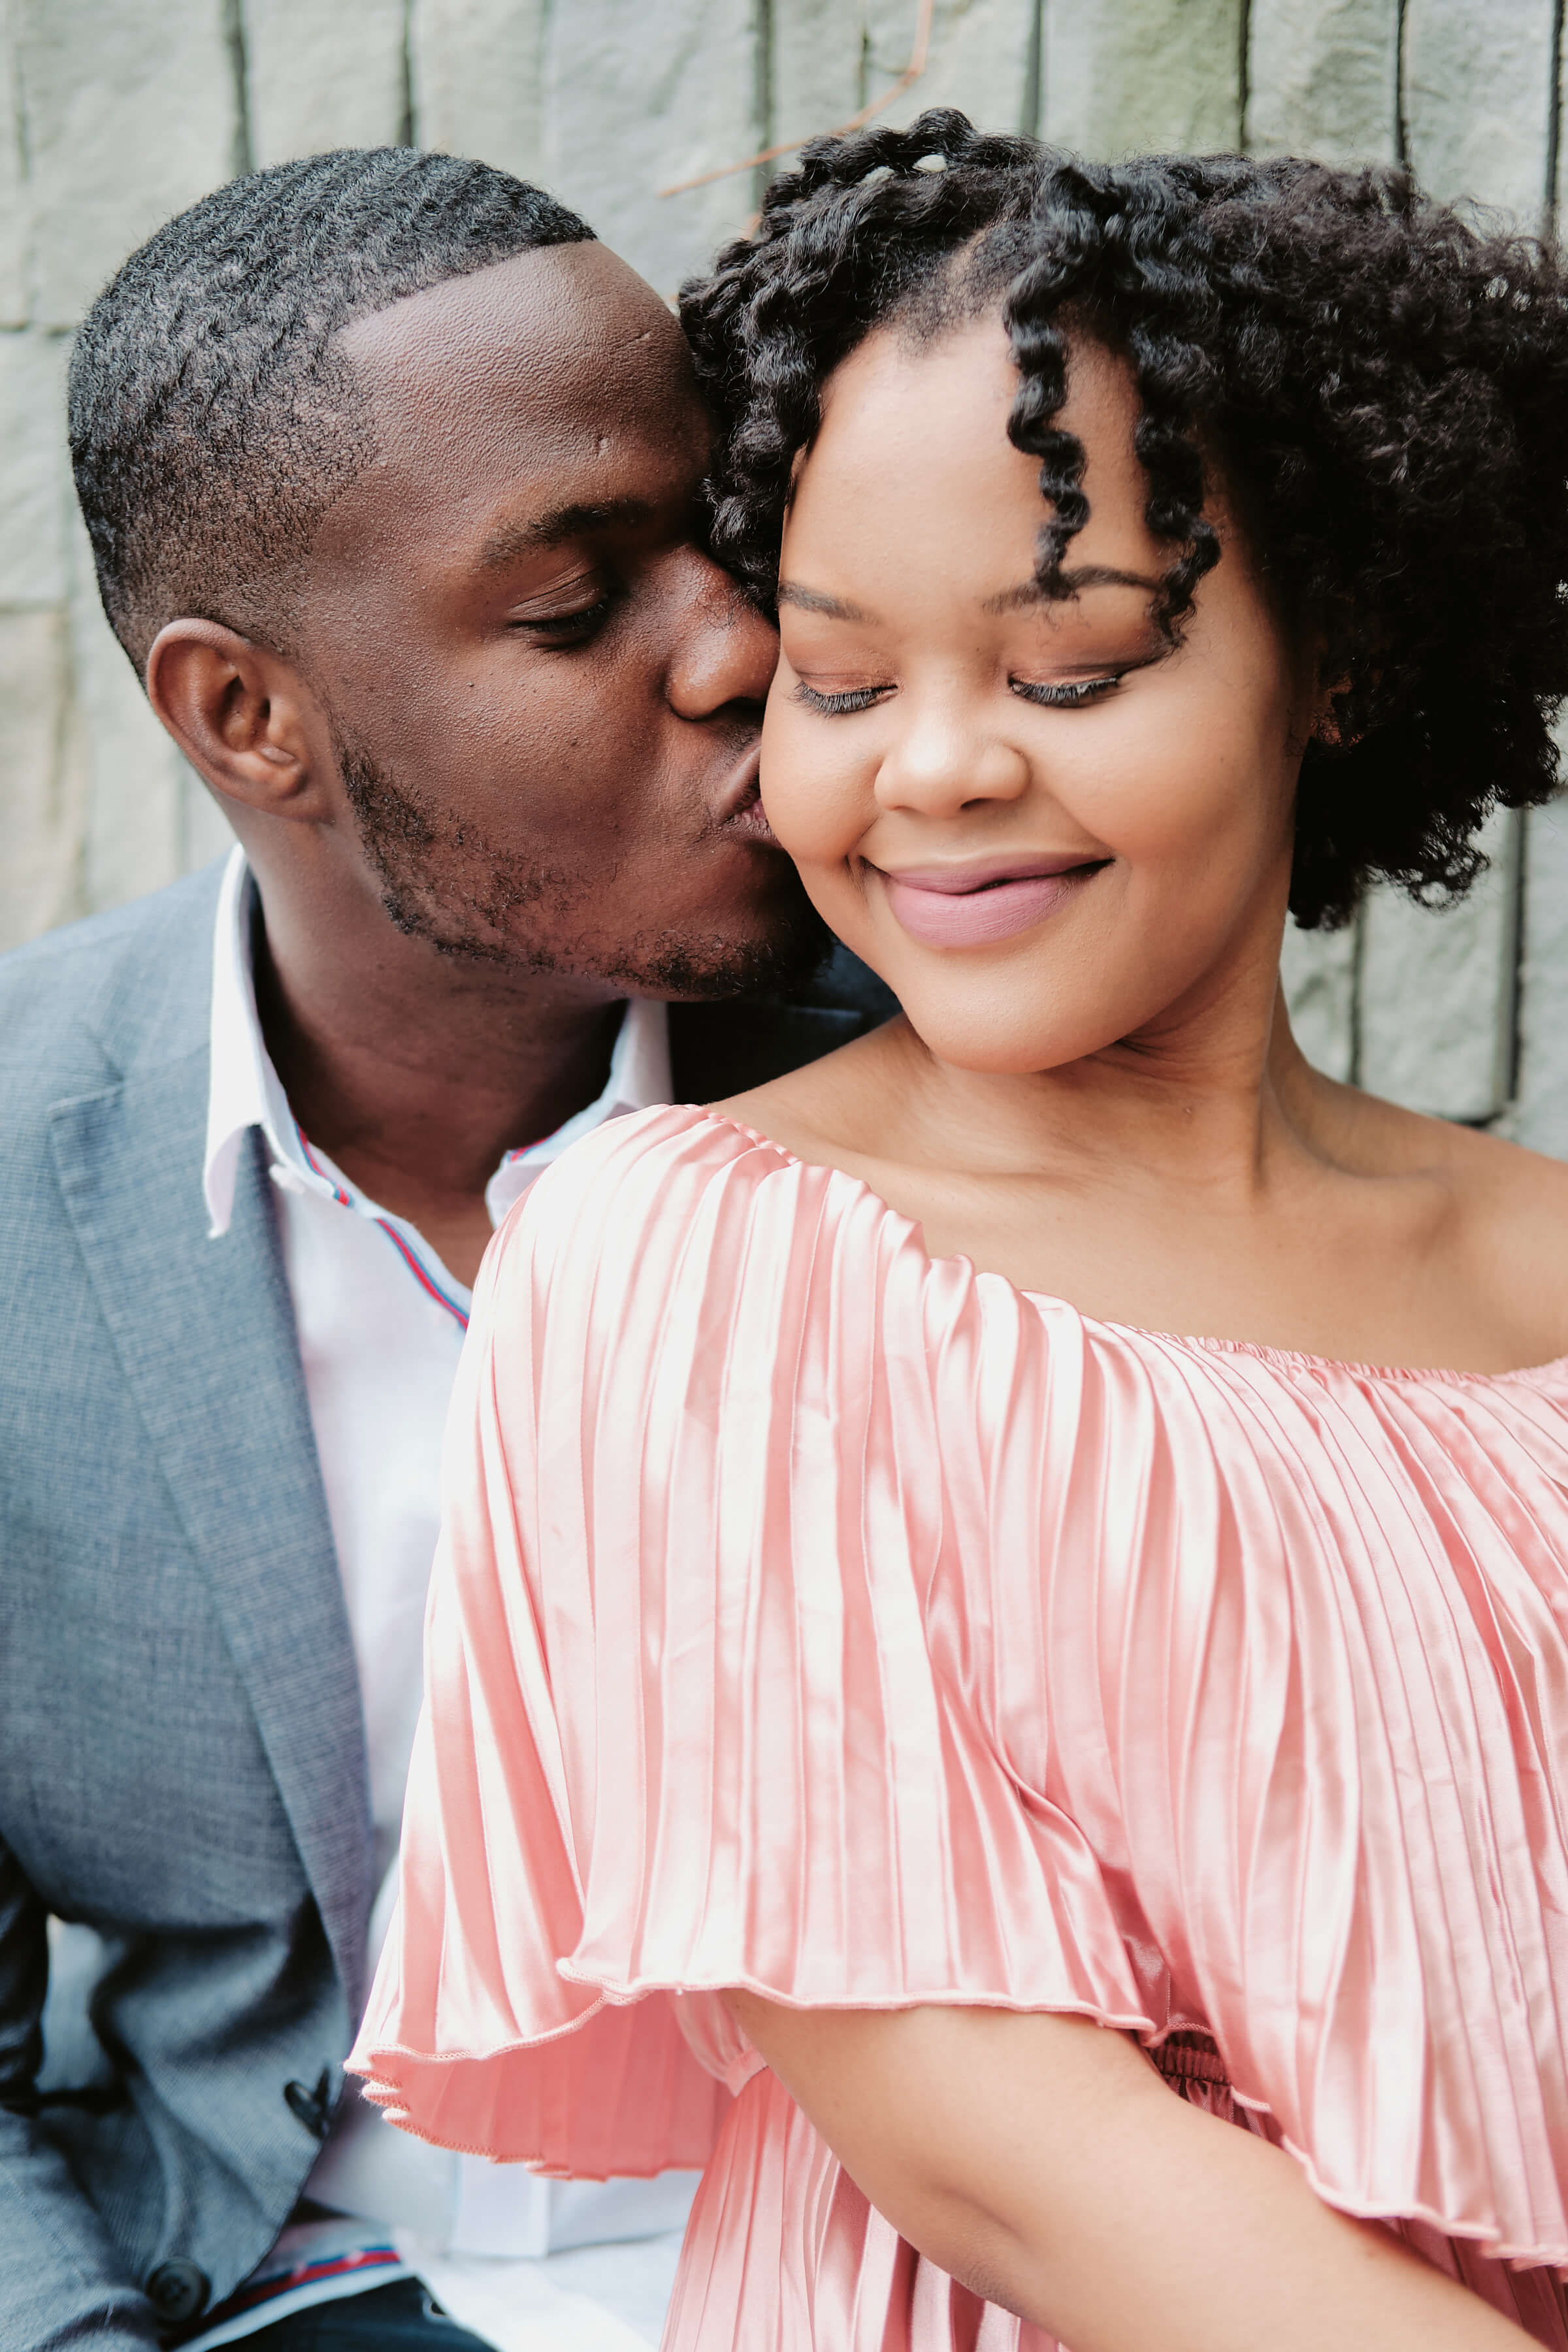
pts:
[975, 906]
[740, 805]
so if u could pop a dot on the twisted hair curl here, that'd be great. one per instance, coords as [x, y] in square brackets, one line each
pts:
[1382, 388]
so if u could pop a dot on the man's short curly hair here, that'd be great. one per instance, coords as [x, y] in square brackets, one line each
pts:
[1381, 386]
[213, 417]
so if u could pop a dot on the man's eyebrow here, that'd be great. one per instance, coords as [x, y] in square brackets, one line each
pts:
[813, 600]
[1086, 575]
[520, 535]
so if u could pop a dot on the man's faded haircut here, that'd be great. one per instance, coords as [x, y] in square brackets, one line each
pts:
[213, 416]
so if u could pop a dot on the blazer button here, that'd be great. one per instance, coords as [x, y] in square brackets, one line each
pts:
[312, 2108]
[178, 2289]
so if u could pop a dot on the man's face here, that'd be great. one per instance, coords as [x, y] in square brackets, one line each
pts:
[545, 697]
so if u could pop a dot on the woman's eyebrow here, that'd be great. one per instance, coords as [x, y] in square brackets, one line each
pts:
[1086, 575]
[1008, 599]
[815, 600]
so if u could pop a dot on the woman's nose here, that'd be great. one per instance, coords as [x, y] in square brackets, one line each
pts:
[938, 766]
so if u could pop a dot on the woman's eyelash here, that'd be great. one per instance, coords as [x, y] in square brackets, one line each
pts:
[1065, 697]
[1073, 695]
[839, 706]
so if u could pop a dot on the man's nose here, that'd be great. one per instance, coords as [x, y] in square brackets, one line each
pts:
[725, 651]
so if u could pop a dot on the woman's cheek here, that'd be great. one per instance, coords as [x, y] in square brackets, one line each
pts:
[816, 803]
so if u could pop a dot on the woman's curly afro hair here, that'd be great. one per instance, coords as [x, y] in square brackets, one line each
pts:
[1384, 388]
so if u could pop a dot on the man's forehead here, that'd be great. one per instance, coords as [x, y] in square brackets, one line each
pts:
[554, 380]
[548, 323]
[500, 484]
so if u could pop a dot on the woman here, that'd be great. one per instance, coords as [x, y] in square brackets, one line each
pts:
[1011, 1746]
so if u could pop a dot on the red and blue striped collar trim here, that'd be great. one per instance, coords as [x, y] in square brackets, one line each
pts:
[411, 1259]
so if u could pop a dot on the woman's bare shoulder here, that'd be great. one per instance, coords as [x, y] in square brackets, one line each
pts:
[1388, 1139]
[1504, 1206]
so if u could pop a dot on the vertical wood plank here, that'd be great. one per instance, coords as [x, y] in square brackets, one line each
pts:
[639, 99]
[831, 57]
[1323, 79]
[1130, 76]
[1317, 971]
[1438, 994]
[1540, 1111]
[477, 74]
[818, 68]
[12, 179]
[40, 815]
[322, 77]
[1478, 100]
[34, 486]
[130, 112]
[133, 779]
[979, 59]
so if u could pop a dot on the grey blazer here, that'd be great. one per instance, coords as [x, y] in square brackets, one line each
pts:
[182, 1751]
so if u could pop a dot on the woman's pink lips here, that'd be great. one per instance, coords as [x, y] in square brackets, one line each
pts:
[973, 907]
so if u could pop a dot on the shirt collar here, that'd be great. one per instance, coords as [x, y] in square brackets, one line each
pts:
[639, 1077]
[245, 1090]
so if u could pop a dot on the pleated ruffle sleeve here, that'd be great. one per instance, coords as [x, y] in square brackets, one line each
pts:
[683, 1726]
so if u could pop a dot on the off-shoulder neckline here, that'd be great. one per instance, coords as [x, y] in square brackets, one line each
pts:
[1285, 1359]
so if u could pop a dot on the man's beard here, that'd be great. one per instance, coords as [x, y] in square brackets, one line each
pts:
[443, 882]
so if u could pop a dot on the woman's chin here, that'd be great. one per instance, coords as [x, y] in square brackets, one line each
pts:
[1002, 1047]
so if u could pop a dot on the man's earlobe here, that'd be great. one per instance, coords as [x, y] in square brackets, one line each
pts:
[243, 717]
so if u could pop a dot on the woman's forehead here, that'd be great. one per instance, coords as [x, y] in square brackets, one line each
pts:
[914, 446]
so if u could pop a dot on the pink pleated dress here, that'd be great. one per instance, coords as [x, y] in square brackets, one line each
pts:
[816, 1616]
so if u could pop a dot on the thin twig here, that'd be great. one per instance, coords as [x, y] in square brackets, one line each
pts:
[911, 73]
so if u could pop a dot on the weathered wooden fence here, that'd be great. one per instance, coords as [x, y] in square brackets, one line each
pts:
[114, 113]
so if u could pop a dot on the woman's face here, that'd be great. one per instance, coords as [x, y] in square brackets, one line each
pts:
[1045, 827]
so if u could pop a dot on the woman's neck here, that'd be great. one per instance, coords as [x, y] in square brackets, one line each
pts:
[1216, 1096]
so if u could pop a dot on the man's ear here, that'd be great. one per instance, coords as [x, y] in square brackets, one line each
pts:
[243, 717]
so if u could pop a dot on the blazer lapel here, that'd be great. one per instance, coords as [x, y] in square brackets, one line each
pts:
[205, 1333]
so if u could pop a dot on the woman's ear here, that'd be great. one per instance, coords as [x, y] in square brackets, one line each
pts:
[244, 719]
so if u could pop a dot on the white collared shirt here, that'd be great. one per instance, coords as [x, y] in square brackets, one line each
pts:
[381, 1324]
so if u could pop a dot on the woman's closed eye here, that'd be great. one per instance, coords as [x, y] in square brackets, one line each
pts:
[1066, 694]
[840, 706]
[1061, 694]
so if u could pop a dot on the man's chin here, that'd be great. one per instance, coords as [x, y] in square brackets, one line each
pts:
[685, 969]
[496, 910]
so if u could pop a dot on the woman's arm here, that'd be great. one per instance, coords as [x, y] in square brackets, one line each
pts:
[1041, 2161]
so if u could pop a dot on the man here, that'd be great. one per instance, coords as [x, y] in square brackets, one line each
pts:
[390, 473]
